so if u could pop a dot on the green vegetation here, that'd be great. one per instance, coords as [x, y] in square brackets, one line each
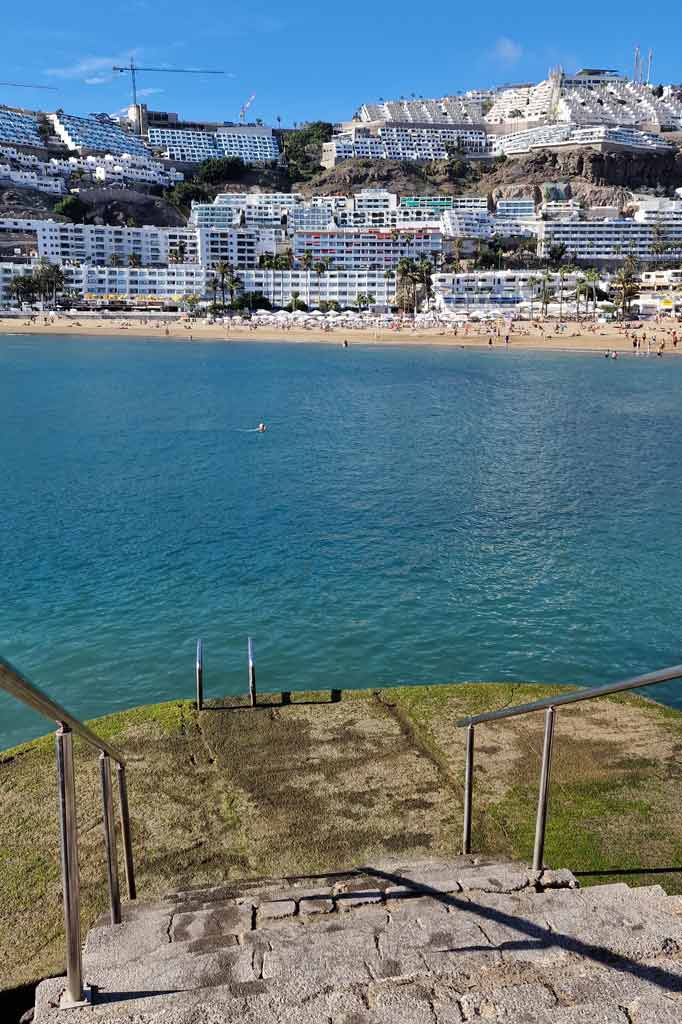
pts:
[45, 282]
[71, 207]
[234, 792]
[303, 149]
[219, 170]
[185, 193]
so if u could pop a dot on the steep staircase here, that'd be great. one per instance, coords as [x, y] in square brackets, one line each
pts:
[425, 943]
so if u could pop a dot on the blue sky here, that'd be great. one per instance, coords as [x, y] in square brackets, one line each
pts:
[313, 60]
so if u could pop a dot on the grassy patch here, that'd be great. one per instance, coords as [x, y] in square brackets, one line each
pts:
[315, 786]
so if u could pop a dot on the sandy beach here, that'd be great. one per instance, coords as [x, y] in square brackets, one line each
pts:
[543, 336]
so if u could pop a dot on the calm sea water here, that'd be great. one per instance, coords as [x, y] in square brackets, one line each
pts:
[409, 517]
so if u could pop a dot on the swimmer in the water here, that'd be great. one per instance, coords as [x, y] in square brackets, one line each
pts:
[261, 428]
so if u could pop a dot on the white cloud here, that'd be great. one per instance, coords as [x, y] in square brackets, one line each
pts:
[507, 50]
[90, 69]
[149, 92]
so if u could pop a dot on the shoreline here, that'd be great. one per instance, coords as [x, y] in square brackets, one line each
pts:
[524, 336]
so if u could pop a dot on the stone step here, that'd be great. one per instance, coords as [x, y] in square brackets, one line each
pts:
[437, 942]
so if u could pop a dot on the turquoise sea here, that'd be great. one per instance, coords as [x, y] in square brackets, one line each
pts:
[410, 516]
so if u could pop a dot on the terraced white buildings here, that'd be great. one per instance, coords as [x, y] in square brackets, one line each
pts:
[562, 136]
[251, 143]
[95, 135]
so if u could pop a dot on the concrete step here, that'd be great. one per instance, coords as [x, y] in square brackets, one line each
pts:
[434, 942]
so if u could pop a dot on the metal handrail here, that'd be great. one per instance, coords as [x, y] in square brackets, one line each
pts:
[549, 705]
[17, 685]
[14, 683]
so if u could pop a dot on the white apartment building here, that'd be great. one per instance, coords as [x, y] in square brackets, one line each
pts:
[394, 141]
[257, 209]
[95, 134]
[239, 246]
[8, 271]
[493, 288]
[310, 218]
[661, 278]
[564, 136]
[516, 209]
[610, 240]
[342, 286]
[143, 285]
[19, 128]
[114, 170]
[461, 109]
[254, 144]
[102, 285]
[377, 208]
[440, 203]
[62, 242]
[467, 224]
[355, 248]
[50, 175]
[587, 98]
[30, 179]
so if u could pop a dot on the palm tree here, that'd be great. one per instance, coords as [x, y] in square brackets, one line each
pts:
[234, 283]
[320, 268]
[592, 280]
[48, 279]
[223, 270]
[22, 288]
[424, 272]
[582, 290]
[624, 283]
[407, 284]
[192, 301]
[115, 260]
[457, 251]
[547, 291]
[361, 300]
[388, 276]
[563, 273]
[212, 286]
[134, 260]
[532, 282]
[306, 262]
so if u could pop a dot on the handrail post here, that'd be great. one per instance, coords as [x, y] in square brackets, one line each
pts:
[543, 795]
[69, 853]
[110, 838]
[252, 675]
[125, 832]
[200, 675]
[468, 789]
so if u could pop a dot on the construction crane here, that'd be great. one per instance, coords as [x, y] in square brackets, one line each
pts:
[27, 85]
[242, 112]
[132, 69]
[650, 60]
